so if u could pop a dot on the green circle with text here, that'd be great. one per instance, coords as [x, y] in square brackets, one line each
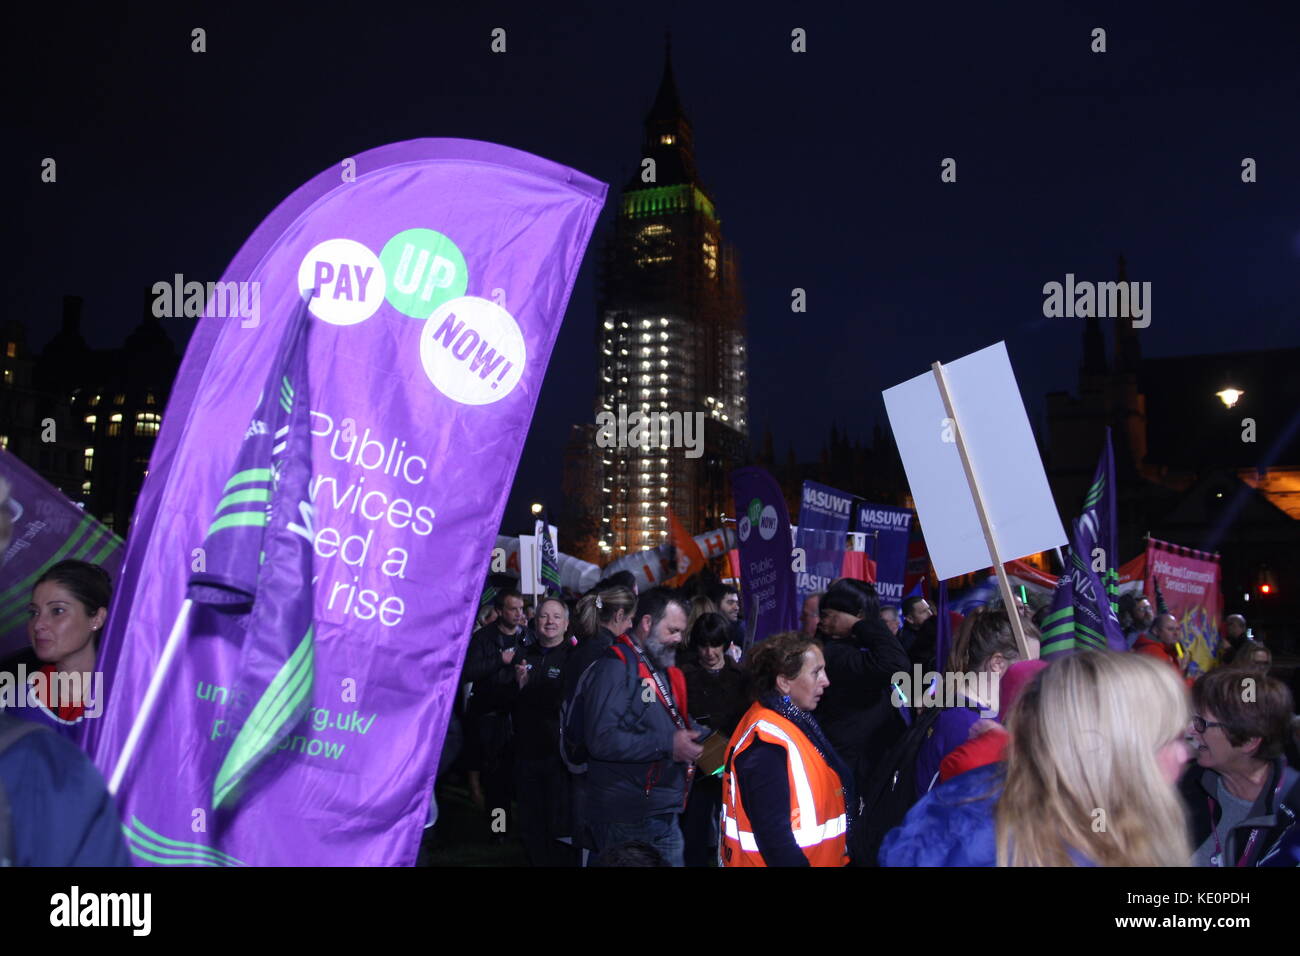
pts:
[755, 510]
[424, 269]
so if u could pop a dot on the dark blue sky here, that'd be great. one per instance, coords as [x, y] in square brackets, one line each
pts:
[824, 167]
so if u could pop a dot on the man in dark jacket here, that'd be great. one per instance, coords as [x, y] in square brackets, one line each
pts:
[861, 658]
[489, 668]
[541, 779]
[638, 733]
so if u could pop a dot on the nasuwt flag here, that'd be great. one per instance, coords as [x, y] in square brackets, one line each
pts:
[442, 269]
[1082, 615]
[1189, 581]
[888, 532]
[257, 558]
[47, 529]
[823, 525]
[763, 534]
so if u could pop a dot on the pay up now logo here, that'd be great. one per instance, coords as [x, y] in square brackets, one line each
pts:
[758, 516]
[471, 349]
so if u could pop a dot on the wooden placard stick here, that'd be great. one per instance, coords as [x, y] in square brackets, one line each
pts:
[1004, 583]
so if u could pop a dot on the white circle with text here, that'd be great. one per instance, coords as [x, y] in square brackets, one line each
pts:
[473, 350]
[349, 281]
[742, 527]
[767, 523]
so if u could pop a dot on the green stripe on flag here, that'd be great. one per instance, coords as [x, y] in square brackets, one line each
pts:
[16, 608]
[1055, 647]
[238, 519]
[27, 583]
[112, 545]
[289, 689]
[248, 476]
[243, 497]
[1058, 615]
[193, 854]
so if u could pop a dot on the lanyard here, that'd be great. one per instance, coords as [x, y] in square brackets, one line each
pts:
[667, 701]
[662, 688]
[1254, 833]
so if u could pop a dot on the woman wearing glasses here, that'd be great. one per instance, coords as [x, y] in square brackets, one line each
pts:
[1242, 799]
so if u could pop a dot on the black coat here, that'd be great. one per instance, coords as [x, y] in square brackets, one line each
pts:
[537, 703]
[855, 710]
[494, 688]
[717, 699]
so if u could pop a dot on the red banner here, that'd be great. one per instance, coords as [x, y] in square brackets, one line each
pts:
[1189, 583]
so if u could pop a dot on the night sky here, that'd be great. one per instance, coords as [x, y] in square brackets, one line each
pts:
[824, 166]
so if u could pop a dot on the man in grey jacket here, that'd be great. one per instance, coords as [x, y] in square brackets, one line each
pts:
[639, 736]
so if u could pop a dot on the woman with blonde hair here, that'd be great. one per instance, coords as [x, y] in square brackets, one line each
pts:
[1097, 747]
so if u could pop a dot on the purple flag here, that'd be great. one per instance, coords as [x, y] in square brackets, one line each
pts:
[258, 551]
[888, 532]
[823, 523]
[47, 529]
[1082, 615]
[441, 270]
[763, 532]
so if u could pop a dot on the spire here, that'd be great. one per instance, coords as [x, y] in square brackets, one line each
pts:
[1128, 354]
[668, 140]
[668, 106]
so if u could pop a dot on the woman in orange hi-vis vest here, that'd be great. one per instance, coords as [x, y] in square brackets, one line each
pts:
[786, 794]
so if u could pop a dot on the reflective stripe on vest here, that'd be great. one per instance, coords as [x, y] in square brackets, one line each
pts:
[808, 832]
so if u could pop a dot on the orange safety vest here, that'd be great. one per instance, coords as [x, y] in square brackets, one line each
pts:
[817, 813]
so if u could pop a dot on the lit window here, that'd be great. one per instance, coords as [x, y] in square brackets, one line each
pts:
[90, 459]
[91, 419]
[85, 487]
[150, 400]
[94, 401]
[119, 399]
[4, 441]
[668, 139]
[9, 377]
[147, 423]
[609, 324]
[114, 426]
[11, 350]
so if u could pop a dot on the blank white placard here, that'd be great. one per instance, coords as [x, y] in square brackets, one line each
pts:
[1003, 455]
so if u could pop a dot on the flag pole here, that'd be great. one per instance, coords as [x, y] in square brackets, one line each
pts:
[150, 696]
[1004, 583]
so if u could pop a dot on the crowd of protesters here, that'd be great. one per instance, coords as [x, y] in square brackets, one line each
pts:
[629, 729]
[642, 737]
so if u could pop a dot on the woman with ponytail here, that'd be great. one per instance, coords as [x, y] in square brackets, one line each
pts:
[982, 651]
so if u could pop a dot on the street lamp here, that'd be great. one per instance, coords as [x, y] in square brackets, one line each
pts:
[537, 507]
[1229, 396]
